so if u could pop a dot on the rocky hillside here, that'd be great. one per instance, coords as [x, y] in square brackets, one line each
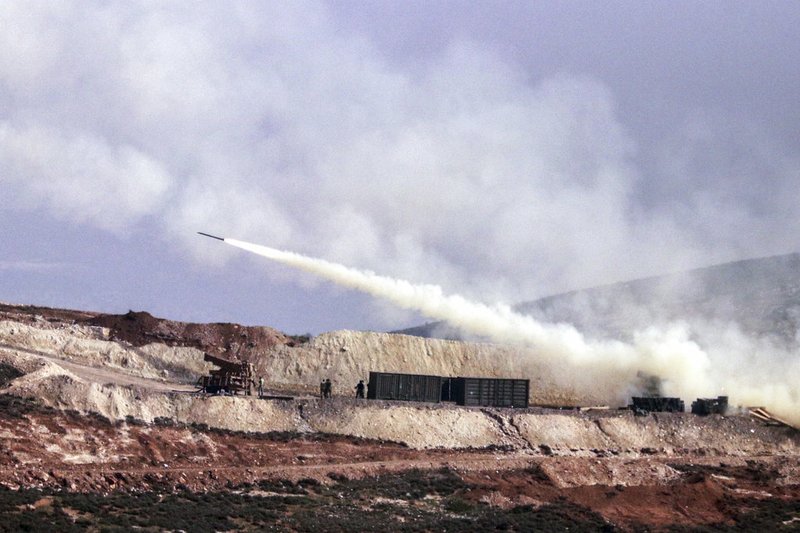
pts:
[101, 427]
[142, 346]
[761, 296]
[75, 367]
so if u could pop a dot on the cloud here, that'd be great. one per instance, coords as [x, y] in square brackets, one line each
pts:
[80, 177]
[265, 121]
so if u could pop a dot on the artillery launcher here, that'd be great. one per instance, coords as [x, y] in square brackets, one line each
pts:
[232, 377]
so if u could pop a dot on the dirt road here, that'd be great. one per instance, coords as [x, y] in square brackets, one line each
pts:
[97, 374]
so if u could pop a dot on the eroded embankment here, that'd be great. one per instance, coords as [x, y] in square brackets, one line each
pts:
[419, 425]
[91, 346]
[74, 366]
[343, 356]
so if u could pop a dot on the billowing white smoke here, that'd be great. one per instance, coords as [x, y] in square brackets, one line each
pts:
[610, 368]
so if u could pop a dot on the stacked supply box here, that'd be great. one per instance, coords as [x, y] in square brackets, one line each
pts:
[710, 406]
[658, 404]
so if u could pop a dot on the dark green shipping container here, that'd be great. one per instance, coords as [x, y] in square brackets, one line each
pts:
[406, 387]
[489, 392]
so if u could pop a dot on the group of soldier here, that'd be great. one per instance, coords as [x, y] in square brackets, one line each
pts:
[326, 388]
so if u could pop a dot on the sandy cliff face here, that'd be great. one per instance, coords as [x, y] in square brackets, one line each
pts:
[141, 345]
[70, 365]
[91, 346]
[347, 356]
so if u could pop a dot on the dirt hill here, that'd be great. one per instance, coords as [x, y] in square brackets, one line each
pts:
[105, 405]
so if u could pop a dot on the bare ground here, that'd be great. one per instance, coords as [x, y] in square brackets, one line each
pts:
[537, 469]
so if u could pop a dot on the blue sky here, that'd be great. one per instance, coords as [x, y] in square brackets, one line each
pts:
[503, 150]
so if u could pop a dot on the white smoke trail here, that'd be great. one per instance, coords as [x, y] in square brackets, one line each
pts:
[611, 368]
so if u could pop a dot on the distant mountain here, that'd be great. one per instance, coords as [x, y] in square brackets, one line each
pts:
[434, 330]
[761, 295]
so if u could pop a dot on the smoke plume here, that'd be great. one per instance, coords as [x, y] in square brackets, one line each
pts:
[611, 368]
[451, 146]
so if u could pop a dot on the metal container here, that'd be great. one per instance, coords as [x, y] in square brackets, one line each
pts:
[657, 404]
[406, 387]
[489, 392]
[710, 406]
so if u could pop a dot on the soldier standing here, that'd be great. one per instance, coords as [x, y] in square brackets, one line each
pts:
[261, 387]
[322, 389]
[328, 388]
[360, 389]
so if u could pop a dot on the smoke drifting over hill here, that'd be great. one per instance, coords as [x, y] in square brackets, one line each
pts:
[481, 160]
[614, 367]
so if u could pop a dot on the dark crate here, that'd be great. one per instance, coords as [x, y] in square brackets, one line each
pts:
[406, 387]
[658, 404]
[710, 406]
[489, 392]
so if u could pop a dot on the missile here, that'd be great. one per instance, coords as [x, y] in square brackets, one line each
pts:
[212, 236]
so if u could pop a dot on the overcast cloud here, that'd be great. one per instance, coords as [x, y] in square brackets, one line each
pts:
[502, 150]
